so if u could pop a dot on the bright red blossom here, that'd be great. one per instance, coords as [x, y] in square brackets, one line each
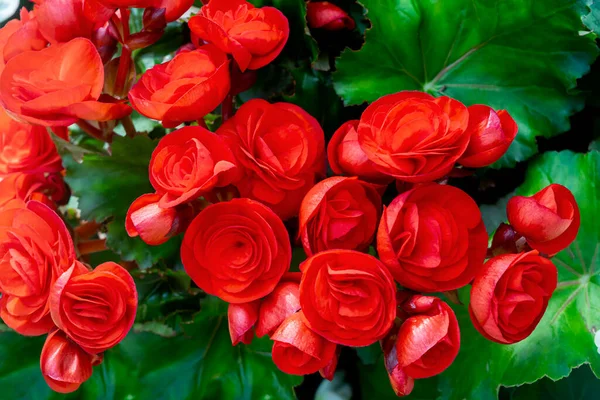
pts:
[280, 148]
[58, 85]
[35, 249]
[184, 89]
[95, 309]
[236, 250]
[549, 219]
[346, 157]
[26, 148]
[47, 189]
[297, 350]
[347, 297]
[18, 36]
[510, 295]
[253, 36]
[432, 238]
[339, 213]
[190, 162]
[413, 136]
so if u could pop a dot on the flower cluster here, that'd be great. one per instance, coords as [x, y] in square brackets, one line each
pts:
[245, 194]
[46, 290]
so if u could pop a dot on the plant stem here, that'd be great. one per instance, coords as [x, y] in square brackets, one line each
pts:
[125, 59]
[227, 107]
[87, 229]
[92, 131]
[129, 127]
[91, 246]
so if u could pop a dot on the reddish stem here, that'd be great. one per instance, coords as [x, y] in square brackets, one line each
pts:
[87, 229]
[125, 59]
[129, 127]
[227, 107]
[92, 131]
[92, 246]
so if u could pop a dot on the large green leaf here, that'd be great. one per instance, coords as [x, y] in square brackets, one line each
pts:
[107, 185]
[564, 339]
[199, 363]
[580, 385]
[521, 55]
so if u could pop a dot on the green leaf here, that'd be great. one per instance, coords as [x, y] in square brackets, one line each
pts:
[198, 364]
[315, 94]
[107, 185]
[202, 364]
[580, 385]
[523, 56]
[564, 339]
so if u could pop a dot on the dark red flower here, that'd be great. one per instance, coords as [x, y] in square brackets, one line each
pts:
[347, 297]
[491, 134]
[549, 219]
[253, 36]
[325, 15]
[280, 148]
[432, 238]
[510, 295]
[186, 88]
[339, 213]
[413, 136]
[236, 250]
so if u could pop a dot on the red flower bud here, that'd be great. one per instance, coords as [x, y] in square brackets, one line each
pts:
[242, 318]
[510, 295]
[148, 220]
[253, 36]
[277, 306]
[77, 73]
[96, 309]
[186, 88]
[432, 238]
[297, 350]
[189, 162]
[323, 14]
[491, 134]
[65, 365]
[549, 219]
[339, 213]
[505, 240]
[347, 297]
[237, 250]
[424, 345]
[346, 157]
